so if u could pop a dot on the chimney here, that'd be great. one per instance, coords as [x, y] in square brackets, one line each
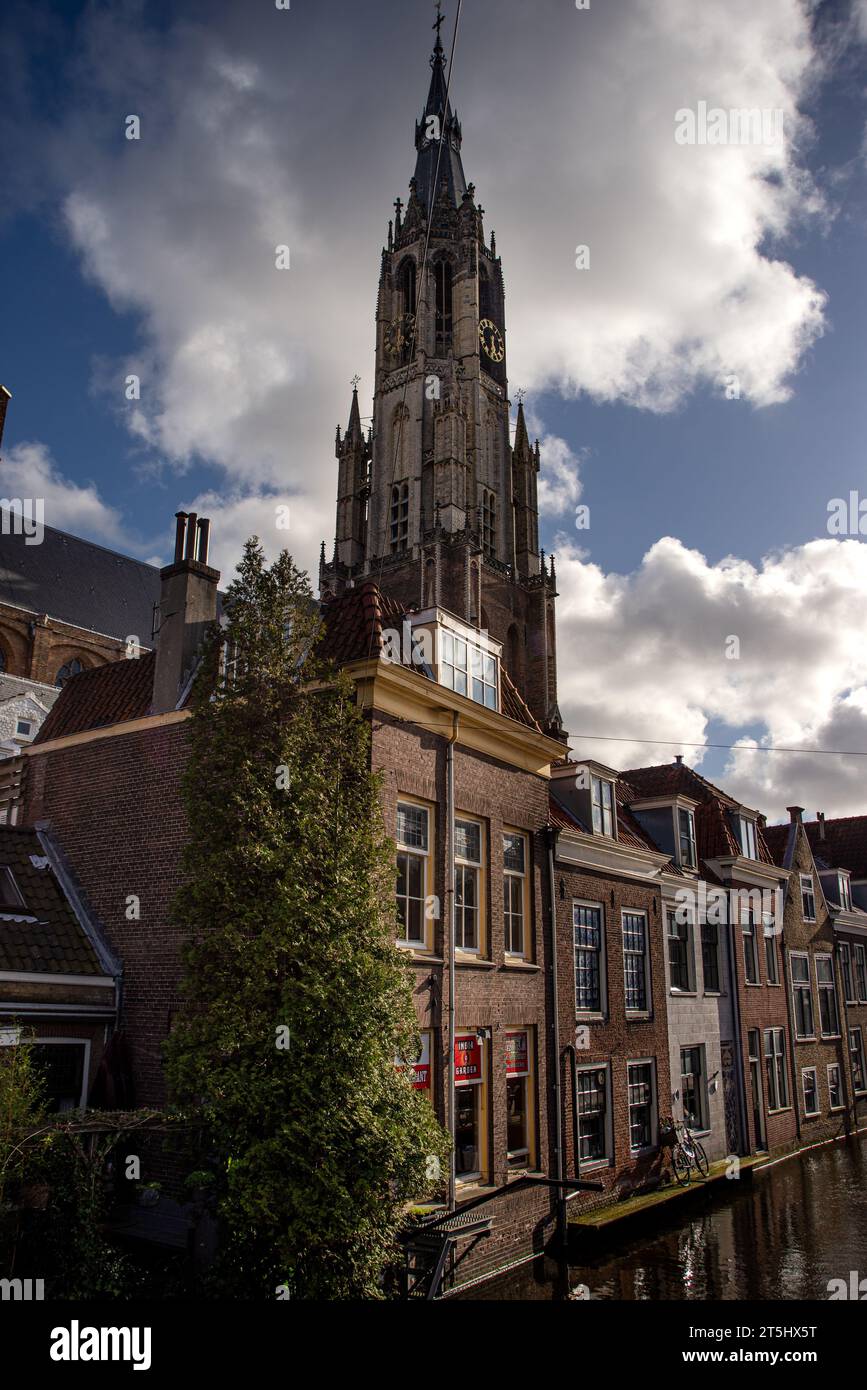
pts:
[795, 814]
[820, 817]
[678, 758]
[188, 605]
[5, 398]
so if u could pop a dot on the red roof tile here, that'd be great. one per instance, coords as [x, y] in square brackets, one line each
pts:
[844, 845]
[715, 838]
[110, 694]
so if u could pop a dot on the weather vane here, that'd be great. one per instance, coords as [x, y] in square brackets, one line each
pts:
[356, 380]
[519, 395]
[440, 19]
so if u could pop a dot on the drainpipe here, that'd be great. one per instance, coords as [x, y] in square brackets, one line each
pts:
[738, 1035]
[846, 1060]
[790, 1014]
[450, 891]
[551, 835]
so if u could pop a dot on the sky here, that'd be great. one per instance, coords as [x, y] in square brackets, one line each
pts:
[700, 387]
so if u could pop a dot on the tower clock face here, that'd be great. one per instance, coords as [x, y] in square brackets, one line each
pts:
[492, 341]
[398, 334]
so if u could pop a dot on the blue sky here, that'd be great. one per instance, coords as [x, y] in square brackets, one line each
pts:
[298, 126]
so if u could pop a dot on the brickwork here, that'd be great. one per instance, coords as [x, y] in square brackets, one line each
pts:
[36, 646]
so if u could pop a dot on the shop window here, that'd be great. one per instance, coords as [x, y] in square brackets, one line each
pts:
[471, 1121]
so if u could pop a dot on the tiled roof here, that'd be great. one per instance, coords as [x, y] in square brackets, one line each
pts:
[844, 845]
[354, 625]
[110, 694]
[56, 942]
[80, 583]
[715, 838]
[629, 832]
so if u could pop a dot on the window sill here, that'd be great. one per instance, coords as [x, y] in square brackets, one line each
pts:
[831, 1037]
[782, 1110]
[471, 962]
[683, 993]
[835, 1109]
[590, 1018]
[806, 1037]
[638, 1016]
[512, 963]
[418, 956]
[595, 1165]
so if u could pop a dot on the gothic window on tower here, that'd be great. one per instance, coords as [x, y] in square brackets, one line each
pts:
[489, 522]
[443, 290]
[399, 517]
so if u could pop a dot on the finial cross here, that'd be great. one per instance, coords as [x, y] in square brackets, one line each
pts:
[356, 381]
[440, 19]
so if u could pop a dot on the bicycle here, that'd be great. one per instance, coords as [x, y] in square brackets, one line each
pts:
[686, 1151]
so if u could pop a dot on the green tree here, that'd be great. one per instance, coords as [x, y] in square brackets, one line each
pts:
[299, 999]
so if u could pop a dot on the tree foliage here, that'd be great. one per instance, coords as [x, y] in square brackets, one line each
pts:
[299, 1000]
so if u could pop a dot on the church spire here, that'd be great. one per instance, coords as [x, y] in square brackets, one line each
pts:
[354, 432]
[438, 118]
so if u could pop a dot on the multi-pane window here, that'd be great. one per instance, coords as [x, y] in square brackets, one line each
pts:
[845, 892]
[514, 892]
[468, 874]
[829, 1021]
[808, 898]
[593, 1115]
[846, 968]
[468, 670]
[772, 959]
[641, 1106]
[399, 521]
[587, 933]
[835, 1086]
[635, 960]
[811, 1091]
[751, 954]
[489, 522]
[775, 1069]
[518, 1091]
[693, 1087]
[802, 998]
[602, 799]
[747, 837]
[861, 972]
[686, 836]
[413, 849]
[856, 1050]
[710, 957]
[679, 952]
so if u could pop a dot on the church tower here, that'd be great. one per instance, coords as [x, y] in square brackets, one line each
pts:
[435, 505]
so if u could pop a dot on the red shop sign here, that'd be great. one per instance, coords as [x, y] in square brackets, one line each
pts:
[468, 1058]
[421, 1068]
[516, 1054]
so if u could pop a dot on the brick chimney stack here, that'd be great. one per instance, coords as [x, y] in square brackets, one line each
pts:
[5, 398]
[188, 605]
[795, 814]
[820, 817]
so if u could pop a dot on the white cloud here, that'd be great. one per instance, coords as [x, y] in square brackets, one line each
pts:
[28, 471]
[653, 663]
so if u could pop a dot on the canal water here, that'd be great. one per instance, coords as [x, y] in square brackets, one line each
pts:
[781, 1234]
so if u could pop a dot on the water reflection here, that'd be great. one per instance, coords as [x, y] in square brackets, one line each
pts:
[781, 1235]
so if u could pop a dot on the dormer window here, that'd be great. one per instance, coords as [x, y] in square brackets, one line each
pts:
[746, 833]
[602, 801]
[845, 892]
[469, 664]
[10, 898]
[686, 837]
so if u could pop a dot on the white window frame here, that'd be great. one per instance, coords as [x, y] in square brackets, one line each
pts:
[845, 892]
[841, 1104]
[748, 836]
[799, 987]
[808, 889]
[521, 877]
[692, 861]
[749, 934]
[827, 987]
[772, 1080]
[704, 1125]
[580, 1011]
[861, 971]
[85, 1073]
[853, 1033]
[654, 1106]
[671, 921]
[424, 855]
[589, 1164]
[805, 1072]
[462, 863]
[847, 970]
[771, 952]
[607, 814]
[646, 1009]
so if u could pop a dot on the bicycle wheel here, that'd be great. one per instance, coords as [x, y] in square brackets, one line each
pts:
[700, 1159]
[680, 1164]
